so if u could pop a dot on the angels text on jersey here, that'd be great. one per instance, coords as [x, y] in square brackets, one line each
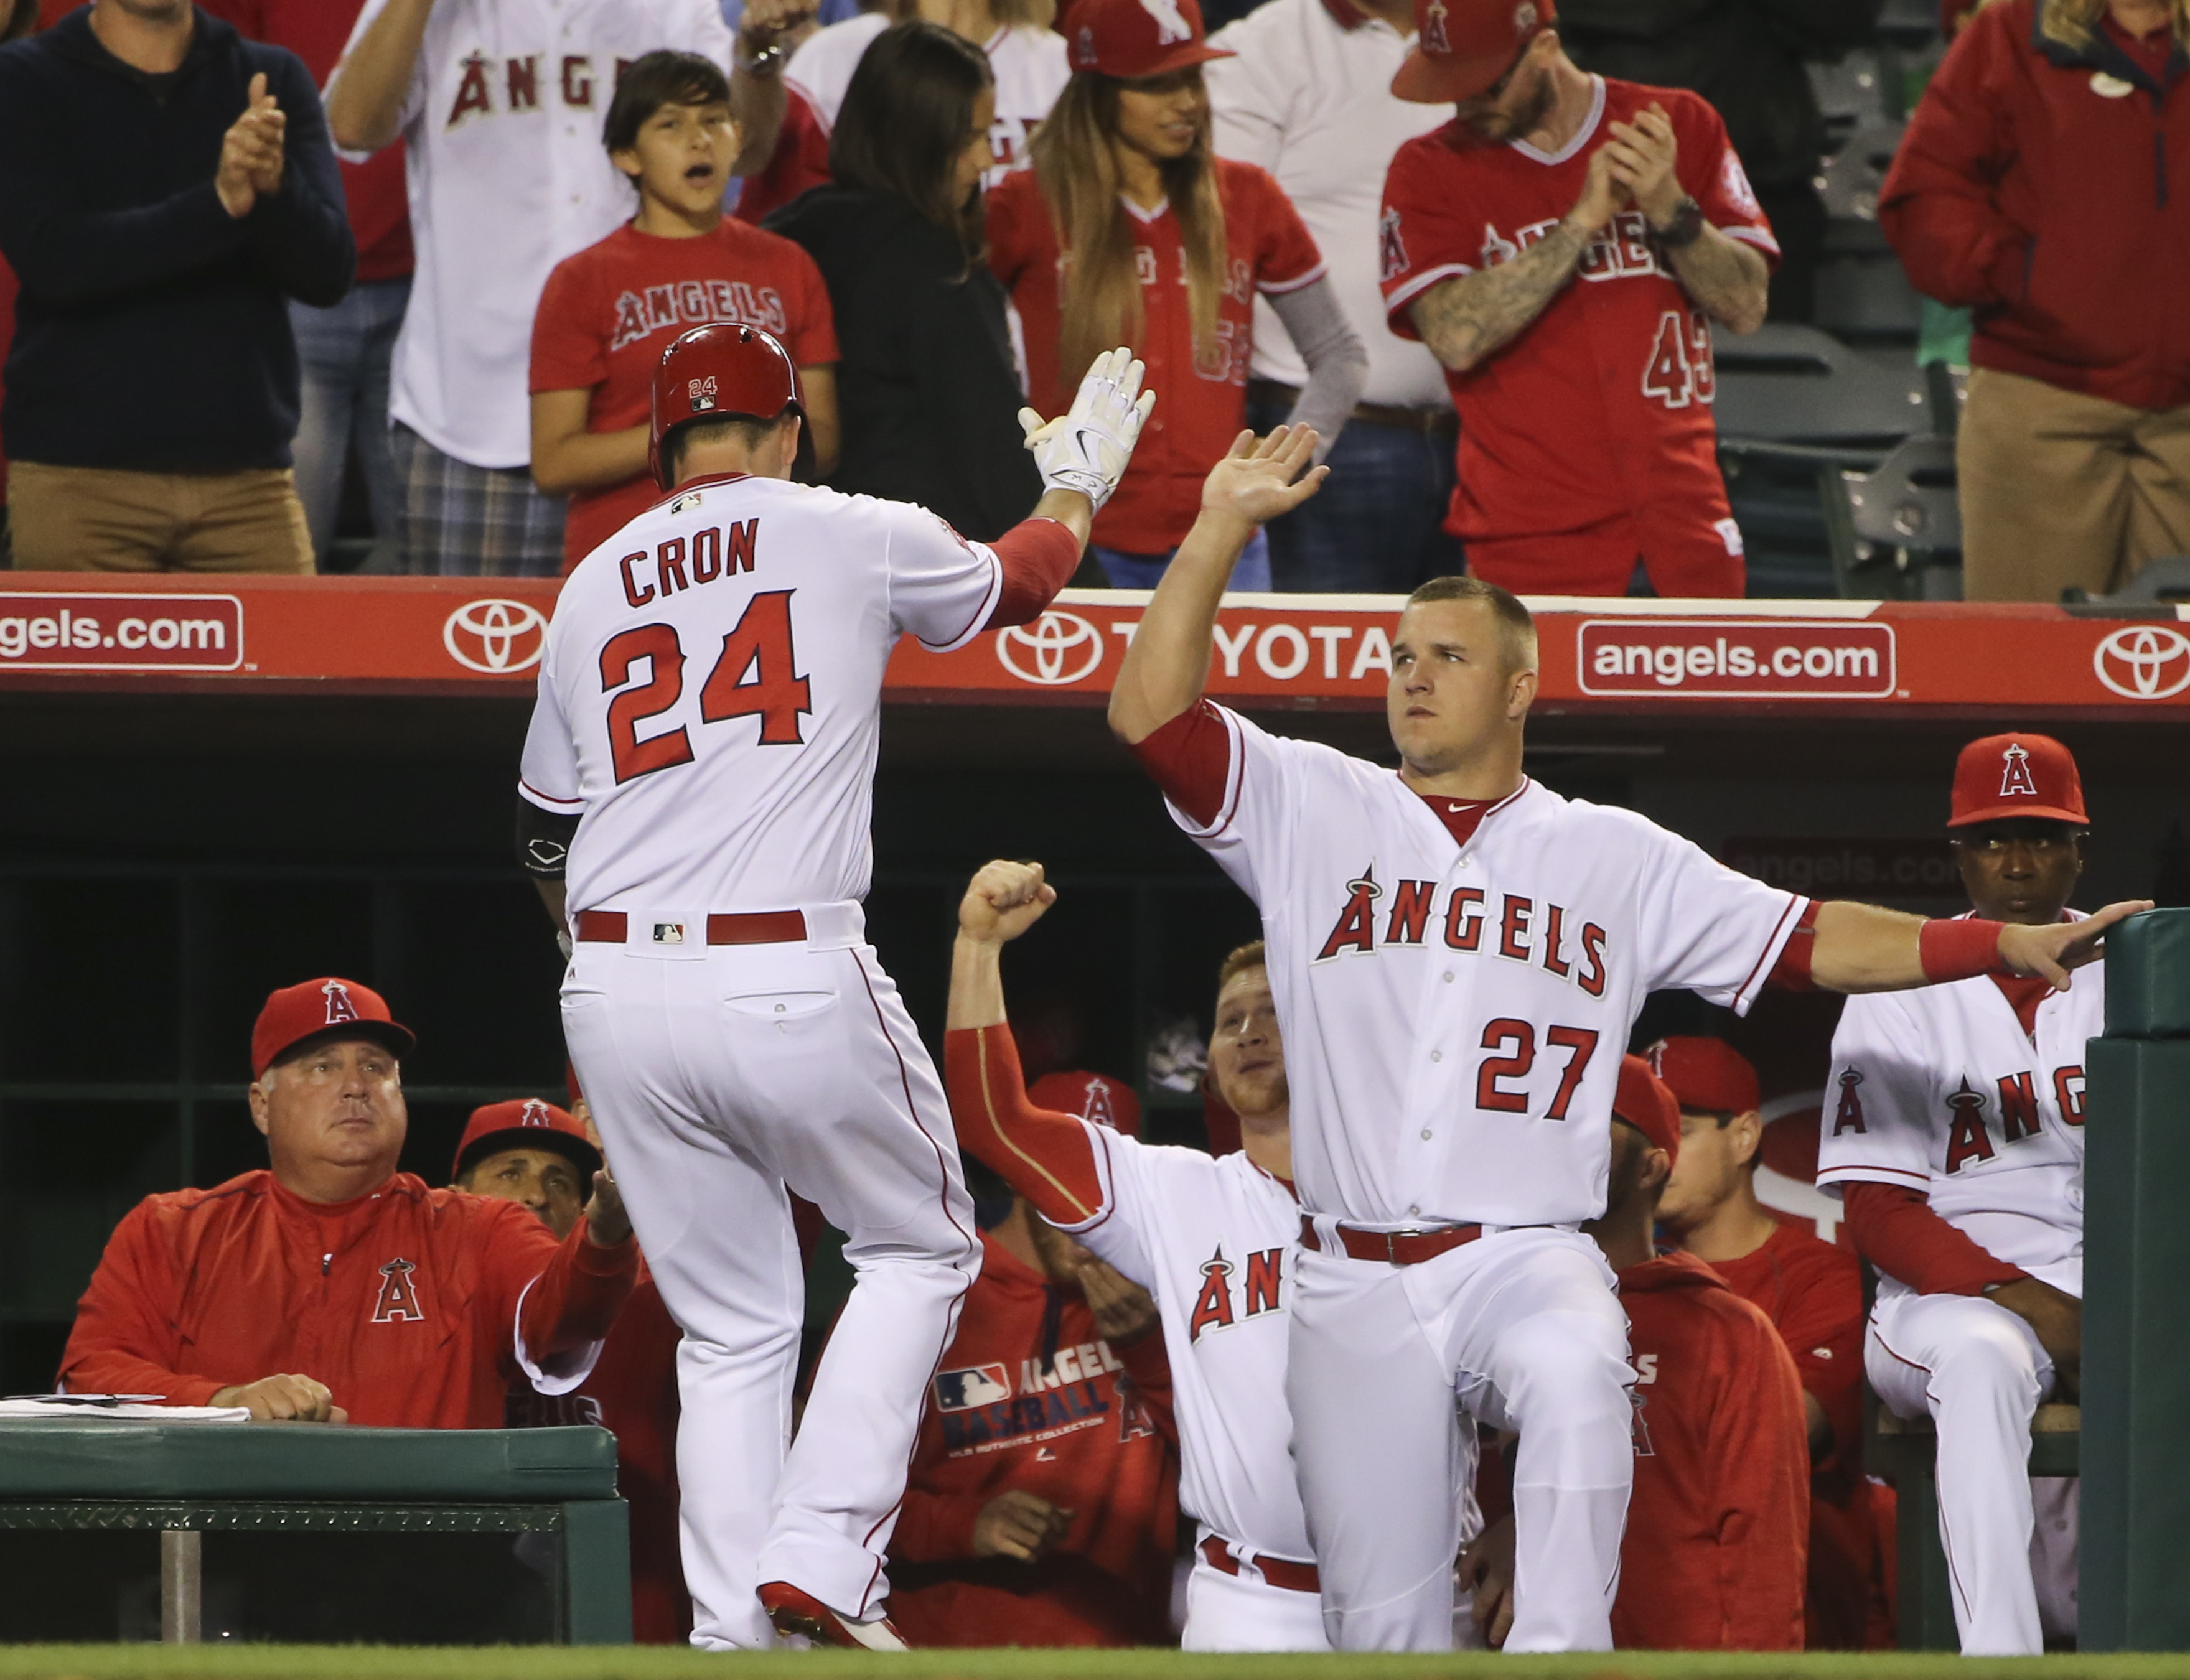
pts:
[513, 86]
[2011, 1112]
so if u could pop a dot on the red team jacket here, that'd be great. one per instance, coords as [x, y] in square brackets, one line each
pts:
[405, 1301]
[1085, 1430]
[632, 1394]
[1587, 441]
[1714, 1555]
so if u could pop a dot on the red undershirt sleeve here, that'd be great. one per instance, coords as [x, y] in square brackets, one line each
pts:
[1895, 1229]
[1045, 1157]
[1791, 973]
[1038, 557]
[1190, 758]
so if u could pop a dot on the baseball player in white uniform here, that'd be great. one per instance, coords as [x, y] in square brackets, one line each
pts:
[1954, 1130]
[1214, 1240]
[1458, 954]
[704, 744]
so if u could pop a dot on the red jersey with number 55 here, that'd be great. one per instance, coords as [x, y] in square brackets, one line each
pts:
[1601, 406]
[710, 699]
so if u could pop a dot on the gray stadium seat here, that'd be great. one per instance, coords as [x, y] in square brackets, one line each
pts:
[1796, 384]
[1896, 529]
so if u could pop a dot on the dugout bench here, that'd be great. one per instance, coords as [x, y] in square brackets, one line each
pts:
[552, 1492]
[1903, 1450]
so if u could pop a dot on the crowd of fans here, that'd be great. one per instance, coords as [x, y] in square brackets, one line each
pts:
[253, 240]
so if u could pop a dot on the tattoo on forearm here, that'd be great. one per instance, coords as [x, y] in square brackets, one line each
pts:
[1725, 277]
[1465, 320]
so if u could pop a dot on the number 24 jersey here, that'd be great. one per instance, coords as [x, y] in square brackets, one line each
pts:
[710, 698]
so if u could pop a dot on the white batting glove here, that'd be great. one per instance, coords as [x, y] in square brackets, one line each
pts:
[1087, 447]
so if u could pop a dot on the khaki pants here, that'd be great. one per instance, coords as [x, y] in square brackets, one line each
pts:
[2059, 490]
[99, 518]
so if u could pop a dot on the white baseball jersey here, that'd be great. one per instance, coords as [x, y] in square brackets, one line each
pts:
[501, 124]
[1455, 1015]
[1214, 1241]
[710, 696]
[1940, 1091]
[1032, 66]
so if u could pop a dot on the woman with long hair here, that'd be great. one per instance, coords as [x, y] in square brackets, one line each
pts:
[926, 381]
[1130, 230]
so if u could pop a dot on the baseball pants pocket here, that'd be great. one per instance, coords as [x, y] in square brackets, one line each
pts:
[1233, 1613]
[1978, 1371]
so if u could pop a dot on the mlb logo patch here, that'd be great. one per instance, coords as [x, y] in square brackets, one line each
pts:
[976, 1386]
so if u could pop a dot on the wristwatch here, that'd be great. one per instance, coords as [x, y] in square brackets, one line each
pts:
[1686, 228]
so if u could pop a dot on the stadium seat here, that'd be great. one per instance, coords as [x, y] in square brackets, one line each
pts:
[1798, 384]
[1897, 531]
[2160, 582]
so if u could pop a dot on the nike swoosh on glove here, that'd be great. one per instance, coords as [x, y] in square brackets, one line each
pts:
[1087, 447]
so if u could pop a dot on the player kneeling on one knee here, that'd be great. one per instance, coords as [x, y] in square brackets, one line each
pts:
[1458, 953]
[1215, 1239]
[1953, 1129]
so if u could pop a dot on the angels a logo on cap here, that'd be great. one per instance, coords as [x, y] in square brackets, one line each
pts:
[339, 1007]
[1434, 39]
[1524, 17]
[1172, 27]
[1097, 1106]
[2015, 775]
[535, 1114]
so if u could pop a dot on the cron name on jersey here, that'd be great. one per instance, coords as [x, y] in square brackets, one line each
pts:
[1622, 250]
[687, 561]
[1507, 925]
[1257, 1288]
[510, 87]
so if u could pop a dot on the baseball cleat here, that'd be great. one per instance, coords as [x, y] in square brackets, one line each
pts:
[795, 1612]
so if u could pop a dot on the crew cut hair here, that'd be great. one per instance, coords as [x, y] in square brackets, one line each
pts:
[906, 116]
[1239, 960]
[1517, 627]
[658, 79]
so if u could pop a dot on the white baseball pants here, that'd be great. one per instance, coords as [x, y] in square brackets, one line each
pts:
[1523, 1326]
[1979, 1371]
[718, 1076]
[1244, 1613]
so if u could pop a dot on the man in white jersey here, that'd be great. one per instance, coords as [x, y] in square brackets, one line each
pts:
[1028, 60]
[1458, 956]
[1214, 1240]
[1954, 1130]
[704, 746]
[499, 103]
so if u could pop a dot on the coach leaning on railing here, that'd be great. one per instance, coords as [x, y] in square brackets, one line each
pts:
[166, 187]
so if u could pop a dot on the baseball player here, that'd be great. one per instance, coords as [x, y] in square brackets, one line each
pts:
[1563, 245]
[1457, 955]
[1954, 1130]
[695, 802]
[1214, 1239]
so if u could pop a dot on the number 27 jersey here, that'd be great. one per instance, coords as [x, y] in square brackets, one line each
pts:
[710, 696]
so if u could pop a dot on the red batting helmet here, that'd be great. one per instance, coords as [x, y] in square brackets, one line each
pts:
[722, 371]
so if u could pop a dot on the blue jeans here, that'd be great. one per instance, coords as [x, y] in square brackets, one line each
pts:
[345, 353]
[1376, 526]
[1143, 571]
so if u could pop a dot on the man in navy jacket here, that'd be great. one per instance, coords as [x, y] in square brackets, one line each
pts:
[166, 186]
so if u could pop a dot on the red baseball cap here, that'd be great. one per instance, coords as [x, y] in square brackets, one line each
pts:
[1644, 1103]
[1092, 1096]
[322, 1008]
[1462, 46]
[1705, 1073]
[1132, 39]
[2017, 775]
[525, 1123]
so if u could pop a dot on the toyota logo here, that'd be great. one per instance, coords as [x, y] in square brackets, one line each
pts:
[496, 638]
[2144, 662]
[1055, 649]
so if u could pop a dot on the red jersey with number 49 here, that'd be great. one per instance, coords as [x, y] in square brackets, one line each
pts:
[710, 698]
[1601, 406]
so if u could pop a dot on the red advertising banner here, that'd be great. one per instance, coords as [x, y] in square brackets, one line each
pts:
[484, 636]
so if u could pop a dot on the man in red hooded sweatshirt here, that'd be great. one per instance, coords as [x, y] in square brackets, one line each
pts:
[332, 1287]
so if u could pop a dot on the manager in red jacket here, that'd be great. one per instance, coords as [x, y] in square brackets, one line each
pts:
[332, 1287]
[2043, 182]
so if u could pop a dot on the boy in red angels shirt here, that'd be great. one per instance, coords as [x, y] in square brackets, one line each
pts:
[332, 1287]
[1563, 246]
[608, 313]
[1812, 1292]
[1044, 1493]
[538, 1156]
